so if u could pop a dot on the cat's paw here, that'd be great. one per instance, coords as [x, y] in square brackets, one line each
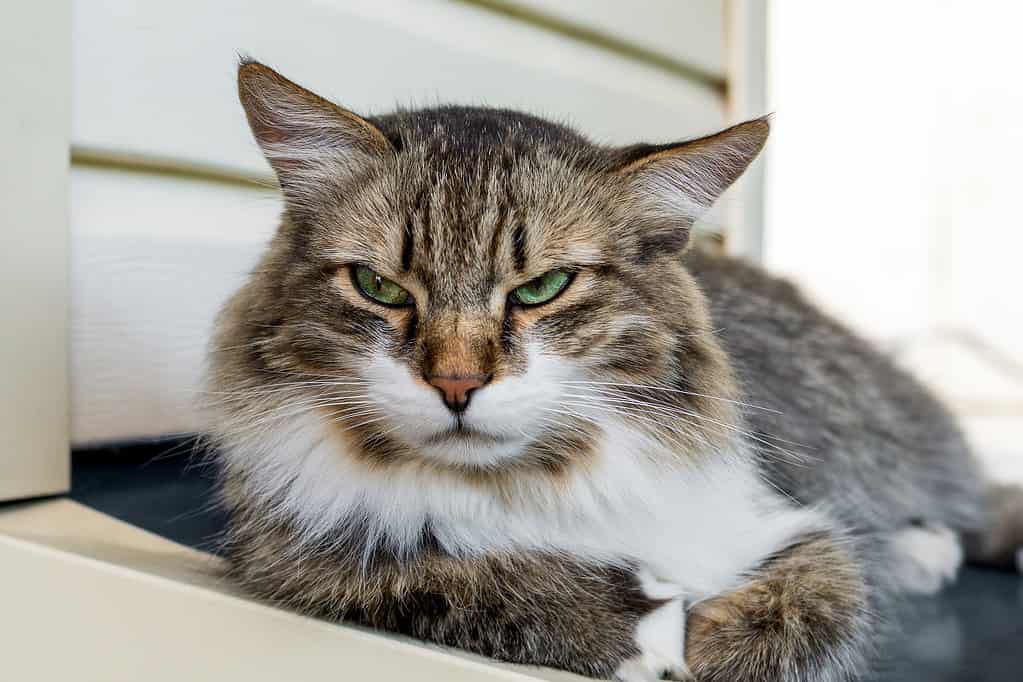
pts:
[660, 637]
[926, 558]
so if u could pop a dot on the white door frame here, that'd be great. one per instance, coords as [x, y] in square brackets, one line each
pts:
[35, 68]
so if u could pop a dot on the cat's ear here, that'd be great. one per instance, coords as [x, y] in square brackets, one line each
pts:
[308, 140]
[675, 184]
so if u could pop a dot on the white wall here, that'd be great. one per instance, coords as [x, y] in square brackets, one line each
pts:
[893, 187]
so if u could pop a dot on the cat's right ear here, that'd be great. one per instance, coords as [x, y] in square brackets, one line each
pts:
[672, 185]
[309, 141]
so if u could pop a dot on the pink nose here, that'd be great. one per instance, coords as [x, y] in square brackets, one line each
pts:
[456, 390]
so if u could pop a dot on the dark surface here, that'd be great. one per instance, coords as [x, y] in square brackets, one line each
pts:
[164, 486]
[972, 632]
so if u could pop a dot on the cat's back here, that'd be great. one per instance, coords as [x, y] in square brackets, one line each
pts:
[834, 418]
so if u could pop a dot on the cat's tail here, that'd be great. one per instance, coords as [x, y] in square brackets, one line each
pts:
[1000, 545]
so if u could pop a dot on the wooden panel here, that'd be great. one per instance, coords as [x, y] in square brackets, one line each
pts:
[690, 31]
[747, 98]
[34, 121]
[153, 258]
[89, 598]
[157, 78]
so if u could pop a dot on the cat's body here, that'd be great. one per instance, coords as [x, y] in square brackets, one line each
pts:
[863, 435]
[473, 395]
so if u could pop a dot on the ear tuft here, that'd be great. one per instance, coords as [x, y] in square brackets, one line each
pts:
[682, 180]
[306, 138]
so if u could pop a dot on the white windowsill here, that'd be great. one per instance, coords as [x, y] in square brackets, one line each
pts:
[123, 604]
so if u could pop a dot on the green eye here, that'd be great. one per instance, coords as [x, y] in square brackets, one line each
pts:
[379, 288]
[542, 289]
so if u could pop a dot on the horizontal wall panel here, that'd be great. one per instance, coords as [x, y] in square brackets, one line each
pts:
[690, 32]
[156, 79]
[152, 260]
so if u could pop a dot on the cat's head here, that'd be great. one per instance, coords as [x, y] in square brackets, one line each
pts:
[476, 288]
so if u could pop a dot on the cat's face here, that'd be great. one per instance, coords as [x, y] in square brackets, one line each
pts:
[471, 300]
[471, 287]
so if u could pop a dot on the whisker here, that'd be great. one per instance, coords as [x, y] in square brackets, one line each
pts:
[628, 401]
[669, 389]
[635, 413]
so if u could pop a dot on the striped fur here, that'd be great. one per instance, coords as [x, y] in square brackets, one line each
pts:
[610, 471]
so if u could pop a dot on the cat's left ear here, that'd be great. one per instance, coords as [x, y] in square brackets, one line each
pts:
[675, 184]
[311, 142]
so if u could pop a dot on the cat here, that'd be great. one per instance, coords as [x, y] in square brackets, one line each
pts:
[479, 391]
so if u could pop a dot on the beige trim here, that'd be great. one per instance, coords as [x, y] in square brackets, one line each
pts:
[746, 98]
[86, 597]
[107, 159]
[35, 69]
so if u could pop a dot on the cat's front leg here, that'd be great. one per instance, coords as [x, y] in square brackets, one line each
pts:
[659, 636]
[604, 620]
[803, 615]
[607, 621]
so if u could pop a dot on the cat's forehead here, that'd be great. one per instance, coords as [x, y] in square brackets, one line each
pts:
[470, 227]
[479, 197]
[472, 203]
[462, 134]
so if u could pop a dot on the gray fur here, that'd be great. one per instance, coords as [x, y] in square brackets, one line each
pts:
[867, 438]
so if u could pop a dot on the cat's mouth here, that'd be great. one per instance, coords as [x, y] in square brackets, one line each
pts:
[462, 433]
[465, 445]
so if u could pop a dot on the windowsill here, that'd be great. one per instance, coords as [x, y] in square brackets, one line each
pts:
[88, 597]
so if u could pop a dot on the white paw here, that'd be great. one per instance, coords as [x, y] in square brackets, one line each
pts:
[926, 558]
[660, 637]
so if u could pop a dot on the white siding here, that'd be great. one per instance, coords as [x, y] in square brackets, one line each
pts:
[157, 78]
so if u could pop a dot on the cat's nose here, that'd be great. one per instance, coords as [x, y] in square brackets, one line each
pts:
[456, 390]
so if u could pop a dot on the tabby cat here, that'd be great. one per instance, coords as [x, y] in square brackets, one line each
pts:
[478, 392]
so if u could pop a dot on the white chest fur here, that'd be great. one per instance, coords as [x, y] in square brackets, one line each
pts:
[699, 527]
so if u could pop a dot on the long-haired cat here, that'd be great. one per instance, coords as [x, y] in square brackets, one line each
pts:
[475, 393]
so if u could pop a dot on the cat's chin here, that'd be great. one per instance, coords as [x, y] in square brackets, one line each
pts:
[469, 447]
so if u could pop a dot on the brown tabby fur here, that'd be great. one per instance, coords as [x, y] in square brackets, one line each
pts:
[461, 205]
[311, 331]
[1000, 544]
[528, 608]
[800, 610]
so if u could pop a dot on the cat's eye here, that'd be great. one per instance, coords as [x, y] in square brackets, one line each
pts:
[378, 288]
[543, 289]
